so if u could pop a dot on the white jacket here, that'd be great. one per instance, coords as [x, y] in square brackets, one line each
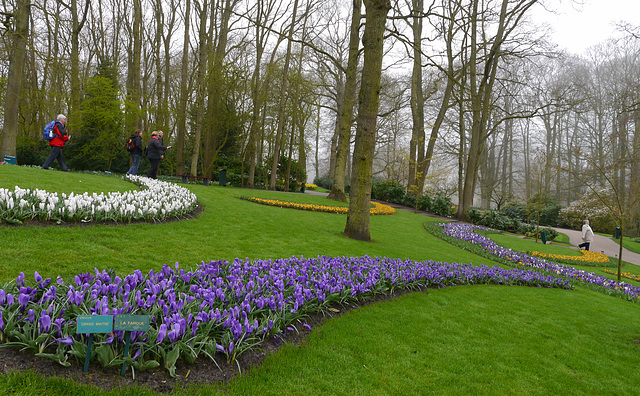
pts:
[587, 233]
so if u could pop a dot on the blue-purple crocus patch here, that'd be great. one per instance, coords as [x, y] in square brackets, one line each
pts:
[220, 307]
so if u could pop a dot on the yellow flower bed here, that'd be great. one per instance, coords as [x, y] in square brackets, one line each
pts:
[378, 208]
[587, 256]
[310, 186]
[625, 275]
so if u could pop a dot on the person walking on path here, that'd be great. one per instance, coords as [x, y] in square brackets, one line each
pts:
[60, 136]
[587, 236]
[154, 153]
[136, 152]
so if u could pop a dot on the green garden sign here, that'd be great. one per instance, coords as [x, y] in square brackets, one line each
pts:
[129, 323]
[92, 324]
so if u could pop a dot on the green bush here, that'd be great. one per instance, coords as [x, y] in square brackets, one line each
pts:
[425, 202]
[388, 190]
[543, 208]
[442, 206]
[515, 210]
[410, 200]
[526, 229]
[323, 181]
[475, 215]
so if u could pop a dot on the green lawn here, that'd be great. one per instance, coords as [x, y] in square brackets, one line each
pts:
[461, 340]
[629, 244]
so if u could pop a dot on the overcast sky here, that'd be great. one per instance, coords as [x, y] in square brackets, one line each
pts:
[577, 27]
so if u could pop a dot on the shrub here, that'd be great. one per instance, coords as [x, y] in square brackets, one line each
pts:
[425, 202]
[588, 207]
[515, 210]
[543, 208]
[323, 181]
[387, 190]
[526, 229]
[475, 215]
[410, 200]
[442, 206]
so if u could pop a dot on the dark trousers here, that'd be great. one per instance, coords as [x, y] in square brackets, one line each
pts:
[136, 163]
[56, 154]
[153, 171]
[584, 245]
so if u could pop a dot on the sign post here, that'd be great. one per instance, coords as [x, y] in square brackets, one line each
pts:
[91, 324]
[129, 323]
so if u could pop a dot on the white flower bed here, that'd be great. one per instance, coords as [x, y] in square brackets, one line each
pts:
[157, 200]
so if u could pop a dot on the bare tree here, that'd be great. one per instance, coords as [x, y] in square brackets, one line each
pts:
[20, 36]
[283, 101]
[357, 226]
[346, 115]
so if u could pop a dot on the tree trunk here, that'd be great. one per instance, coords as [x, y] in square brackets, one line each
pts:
[346, 118]
[283, 101]
[77, 25]
[255, 97]
[182, 109]
[200, 87]
[417, 143]
[480, 101]
[14, 79]
[215, 93]
[444, 107]
[357, 226]
[133, 119]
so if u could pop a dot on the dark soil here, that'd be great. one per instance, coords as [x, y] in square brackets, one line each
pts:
[203, 371]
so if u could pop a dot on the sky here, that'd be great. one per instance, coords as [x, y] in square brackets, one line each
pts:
[578, 27]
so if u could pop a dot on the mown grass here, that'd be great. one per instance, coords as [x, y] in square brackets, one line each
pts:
[227, 228]
[462, 340]
[629, 244]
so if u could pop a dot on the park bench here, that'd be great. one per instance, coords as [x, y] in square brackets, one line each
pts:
[205, 179]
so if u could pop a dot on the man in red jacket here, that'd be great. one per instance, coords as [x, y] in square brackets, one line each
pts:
[60, 136]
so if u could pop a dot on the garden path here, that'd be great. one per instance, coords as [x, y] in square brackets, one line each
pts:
[602, 244]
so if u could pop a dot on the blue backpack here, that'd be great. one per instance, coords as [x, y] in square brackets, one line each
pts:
[48, 134]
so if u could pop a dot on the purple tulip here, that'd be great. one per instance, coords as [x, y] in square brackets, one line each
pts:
[20, 279]
[23, 300]
[162, 334]
[31, 314]
[45, 322]
[174, 333]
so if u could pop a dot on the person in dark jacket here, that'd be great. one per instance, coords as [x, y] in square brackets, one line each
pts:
[154, 153]
[60, 136]
[136, 153]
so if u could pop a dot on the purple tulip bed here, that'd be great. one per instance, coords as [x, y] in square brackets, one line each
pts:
[467, 234]
[221, 309]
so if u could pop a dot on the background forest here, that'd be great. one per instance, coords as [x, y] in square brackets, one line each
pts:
[474, 103]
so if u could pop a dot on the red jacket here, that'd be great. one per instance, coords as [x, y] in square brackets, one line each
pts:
[60, 135]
